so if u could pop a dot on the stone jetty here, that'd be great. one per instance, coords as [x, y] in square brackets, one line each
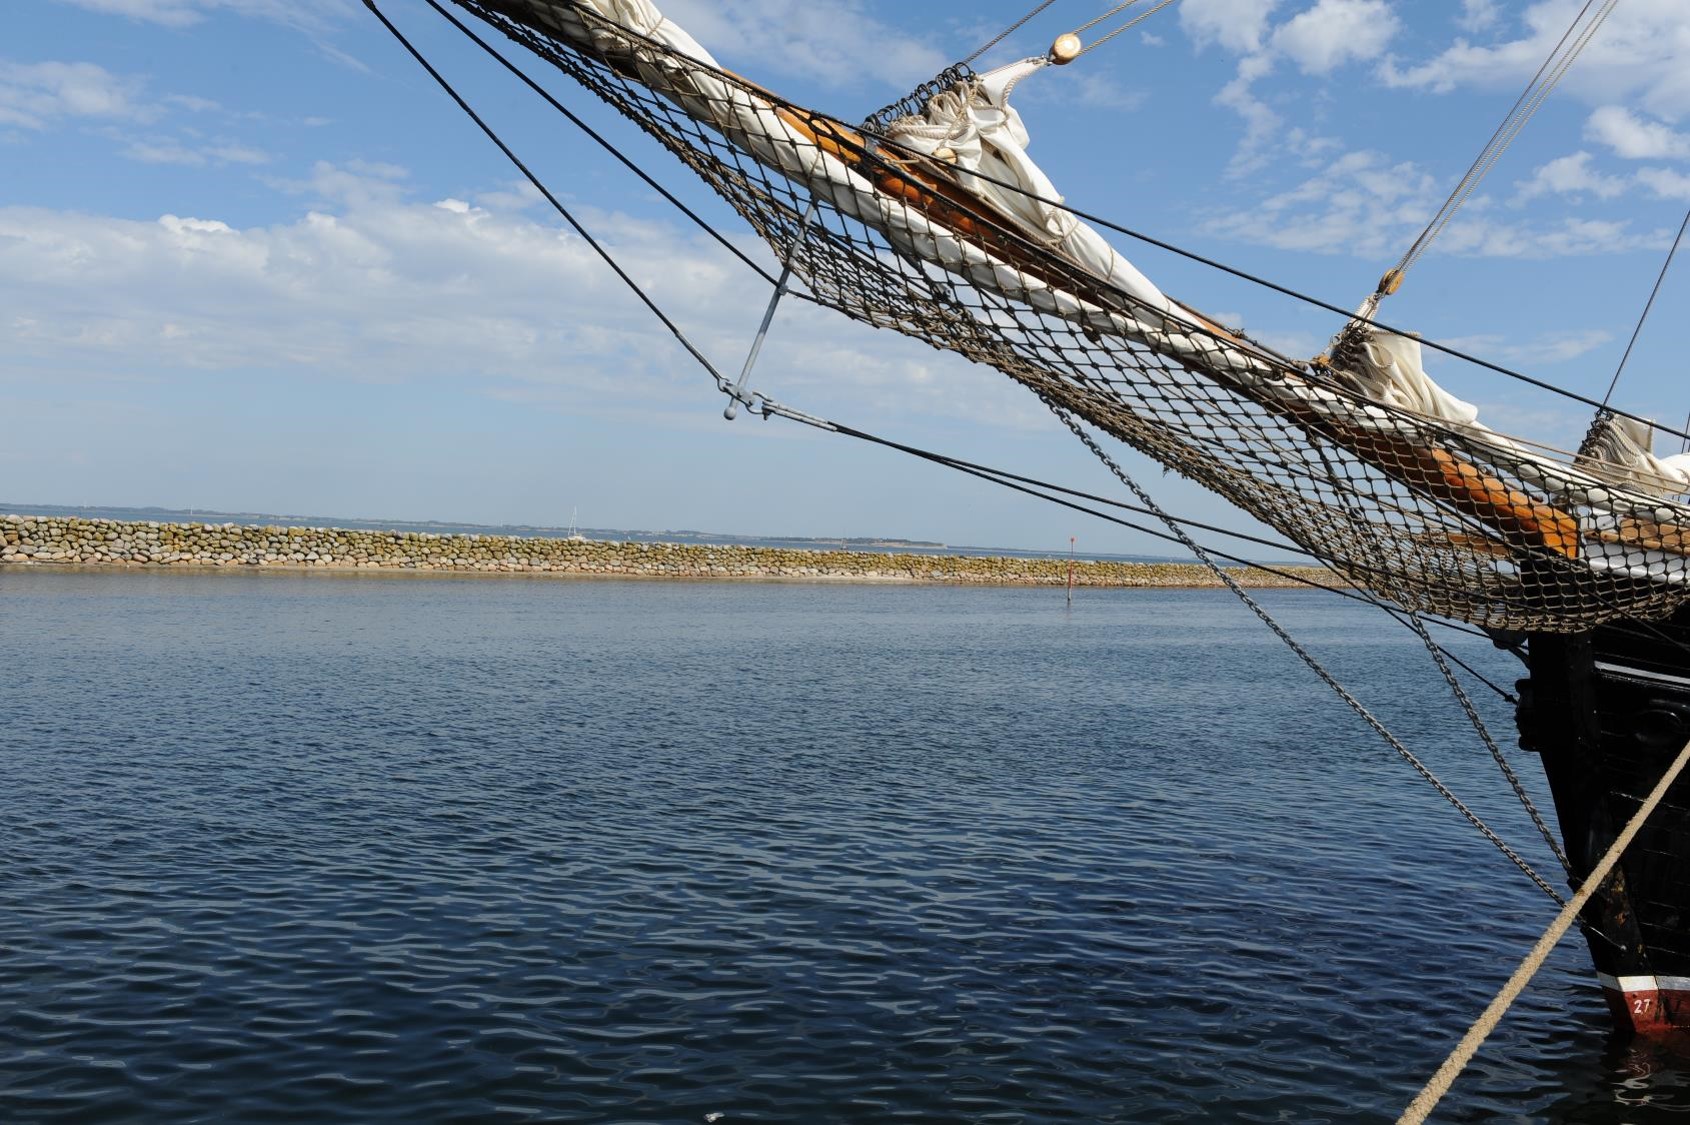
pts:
[27, 540]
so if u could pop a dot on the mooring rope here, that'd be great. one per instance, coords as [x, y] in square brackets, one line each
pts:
[1440, 1083]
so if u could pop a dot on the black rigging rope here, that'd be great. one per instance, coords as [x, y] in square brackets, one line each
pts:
[768, 407]
[1647, 305]
[1030, 485]
[674, 329]
[1348, 314]
[1302, 653]
[1316, 302]
[1206, 556]
[1543, 83]
[603, 143]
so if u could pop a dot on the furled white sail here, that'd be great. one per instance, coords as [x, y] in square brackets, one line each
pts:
[1622, 453]
[973, 129]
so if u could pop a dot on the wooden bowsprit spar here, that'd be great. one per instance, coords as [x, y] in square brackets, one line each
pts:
[901, 241]
[1443, 518]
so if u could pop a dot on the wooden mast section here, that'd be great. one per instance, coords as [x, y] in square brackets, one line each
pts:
[1521, 519]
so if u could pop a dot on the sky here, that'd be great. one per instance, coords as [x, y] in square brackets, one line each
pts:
[251, 259]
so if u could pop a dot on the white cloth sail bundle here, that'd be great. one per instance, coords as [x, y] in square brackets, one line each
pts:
[781, 143]
[1392, 478]
[975, 129]
[1623, 454]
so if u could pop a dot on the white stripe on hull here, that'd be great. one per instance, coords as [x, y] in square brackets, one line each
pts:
[1645, 984]
[1640, 674]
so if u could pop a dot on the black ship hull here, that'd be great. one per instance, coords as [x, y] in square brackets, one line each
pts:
[1608, 711]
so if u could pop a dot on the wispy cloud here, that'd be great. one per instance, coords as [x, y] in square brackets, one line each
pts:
[1367, 205]
[1318, 40]
[840, 43]
[1552, 348]
[35, 95]
[1639, 52]
[307, 15]
[372, 284]
[1334, 32]
[1478, 15]
[1571, 175]
[1634, 137]
[160, 150]
[1237, 26]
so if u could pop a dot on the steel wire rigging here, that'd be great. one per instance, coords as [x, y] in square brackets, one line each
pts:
[769, 408]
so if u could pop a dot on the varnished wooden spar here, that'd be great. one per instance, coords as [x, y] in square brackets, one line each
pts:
[1650, 535]
[1521, 520]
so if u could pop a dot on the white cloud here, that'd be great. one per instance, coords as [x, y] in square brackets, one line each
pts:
[1260, 121]
[1318, 39]
[1334, 32]
[1571, 175]
[1567, 238]
[374, 285]
[1555, 347]
[1638, 53]
[1633, 137]
[33, 95]
[1477, 15]
[839, 43]
[1238, 26]
[164, 150]
[1092, 89]
[1360, 203]
[307, 15]
[1364, 205]
[1665, 183]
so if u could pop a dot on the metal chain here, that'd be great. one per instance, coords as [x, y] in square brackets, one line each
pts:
[1303, 654]
[1484, 733]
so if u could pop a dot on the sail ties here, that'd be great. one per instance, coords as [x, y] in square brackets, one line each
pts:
[972, 128]
[1620, 451]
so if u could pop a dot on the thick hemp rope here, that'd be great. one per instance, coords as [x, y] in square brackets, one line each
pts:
[1458, 1059]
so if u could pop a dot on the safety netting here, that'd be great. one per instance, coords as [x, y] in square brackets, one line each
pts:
[1442, 518]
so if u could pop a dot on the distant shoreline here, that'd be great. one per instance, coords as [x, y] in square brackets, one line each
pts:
[542, 531]
[29, 540]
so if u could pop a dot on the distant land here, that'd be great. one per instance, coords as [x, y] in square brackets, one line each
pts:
[202, 515]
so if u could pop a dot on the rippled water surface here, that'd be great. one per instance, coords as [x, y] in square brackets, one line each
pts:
[345, 848]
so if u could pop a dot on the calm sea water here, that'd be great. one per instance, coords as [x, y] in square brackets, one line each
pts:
[286, 847]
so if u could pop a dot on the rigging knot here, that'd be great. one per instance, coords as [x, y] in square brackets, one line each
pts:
[1598, 437]
[915, 102]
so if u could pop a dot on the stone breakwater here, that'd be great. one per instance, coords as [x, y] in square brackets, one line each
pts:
[43, 540]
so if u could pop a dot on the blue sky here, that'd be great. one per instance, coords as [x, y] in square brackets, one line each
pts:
[250, 258]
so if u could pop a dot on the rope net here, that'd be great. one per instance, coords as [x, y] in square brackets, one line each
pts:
[1437, 518]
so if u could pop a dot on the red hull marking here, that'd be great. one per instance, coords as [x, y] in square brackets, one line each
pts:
[1647, 1010]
